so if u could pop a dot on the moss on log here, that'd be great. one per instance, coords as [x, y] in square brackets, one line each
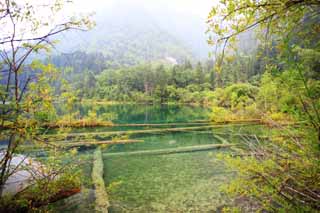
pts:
[96, 123]
[79, 123]
[222, 140]
[162, 124]
[111, 133]
[172, 150]
[101, 196]
[93, 143]
[252, 121]
[69, 145]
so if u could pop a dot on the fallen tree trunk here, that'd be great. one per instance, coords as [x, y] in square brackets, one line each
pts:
[93, 123]
[66, 144]
[239, 121]
[62, 194]
[78, 124]
[101, 196]
[222, 140]
[172, 150]
[110, 133]
[162, 124]
[92, 143]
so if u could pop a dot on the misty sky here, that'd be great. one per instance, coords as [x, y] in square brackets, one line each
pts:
[184, 19]
[192, 7]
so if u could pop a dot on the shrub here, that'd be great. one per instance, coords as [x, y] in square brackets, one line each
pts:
[219, 114]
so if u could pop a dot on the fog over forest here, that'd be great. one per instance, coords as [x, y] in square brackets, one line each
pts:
[181, 24]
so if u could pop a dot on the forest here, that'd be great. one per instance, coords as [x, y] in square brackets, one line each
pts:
[127, 110]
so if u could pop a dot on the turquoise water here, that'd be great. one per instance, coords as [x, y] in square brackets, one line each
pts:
[180, 182]
[165, 183]
[139, 178]
[163, 141]
[139, 113]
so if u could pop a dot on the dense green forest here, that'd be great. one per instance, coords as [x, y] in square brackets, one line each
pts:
[161, 81]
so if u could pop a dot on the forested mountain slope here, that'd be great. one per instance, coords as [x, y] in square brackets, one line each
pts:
[126, 38]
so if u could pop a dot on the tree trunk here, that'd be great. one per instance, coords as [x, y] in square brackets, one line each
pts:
[319, 137]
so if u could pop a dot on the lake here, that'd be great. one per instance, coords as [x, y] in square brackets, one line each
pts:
[143, 177]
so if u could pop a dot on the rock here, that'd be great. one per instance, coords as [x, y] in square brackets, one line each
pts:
[24, 175]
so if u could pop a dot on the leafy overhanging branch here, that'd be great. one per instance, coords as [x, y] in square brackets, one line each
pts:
[15, 51]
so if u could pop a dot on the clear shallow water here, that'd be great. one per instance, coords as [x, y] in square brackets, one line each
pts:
[165, 183]
[165, 141]
[181, 182]
[168, 182]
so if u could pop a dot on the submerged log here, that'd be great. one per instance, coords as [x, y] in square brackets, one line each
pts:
[66, 144]
[172, 150]
[93, 123]
[178, 129]
[239, 121]
[62, 194]
[101, 196]
[162, 124]
[222, 140]
[78, 124]
[92, 143]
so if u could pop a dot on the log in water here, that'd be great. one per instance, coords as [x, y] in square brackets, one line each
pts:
[92, 143]
[101, 196]
[109, 133]
[172, 151]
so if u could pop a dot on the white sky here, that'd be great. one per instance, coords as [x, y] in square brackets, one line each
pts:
[195, 7]
[199, 8]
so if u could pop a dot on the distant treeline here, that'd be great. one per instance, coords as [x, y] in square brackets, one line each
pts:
[92, 77]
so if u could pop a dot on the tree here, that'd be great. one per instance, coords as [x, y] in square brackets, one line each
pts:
[199, 73]
[283, 173]
[212, 79]
[274, 17]
[162, 81]
[286, 24]
[24, 34]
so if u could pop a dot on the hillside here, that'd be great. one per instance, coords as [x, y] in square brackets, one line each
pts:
[127, 38]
